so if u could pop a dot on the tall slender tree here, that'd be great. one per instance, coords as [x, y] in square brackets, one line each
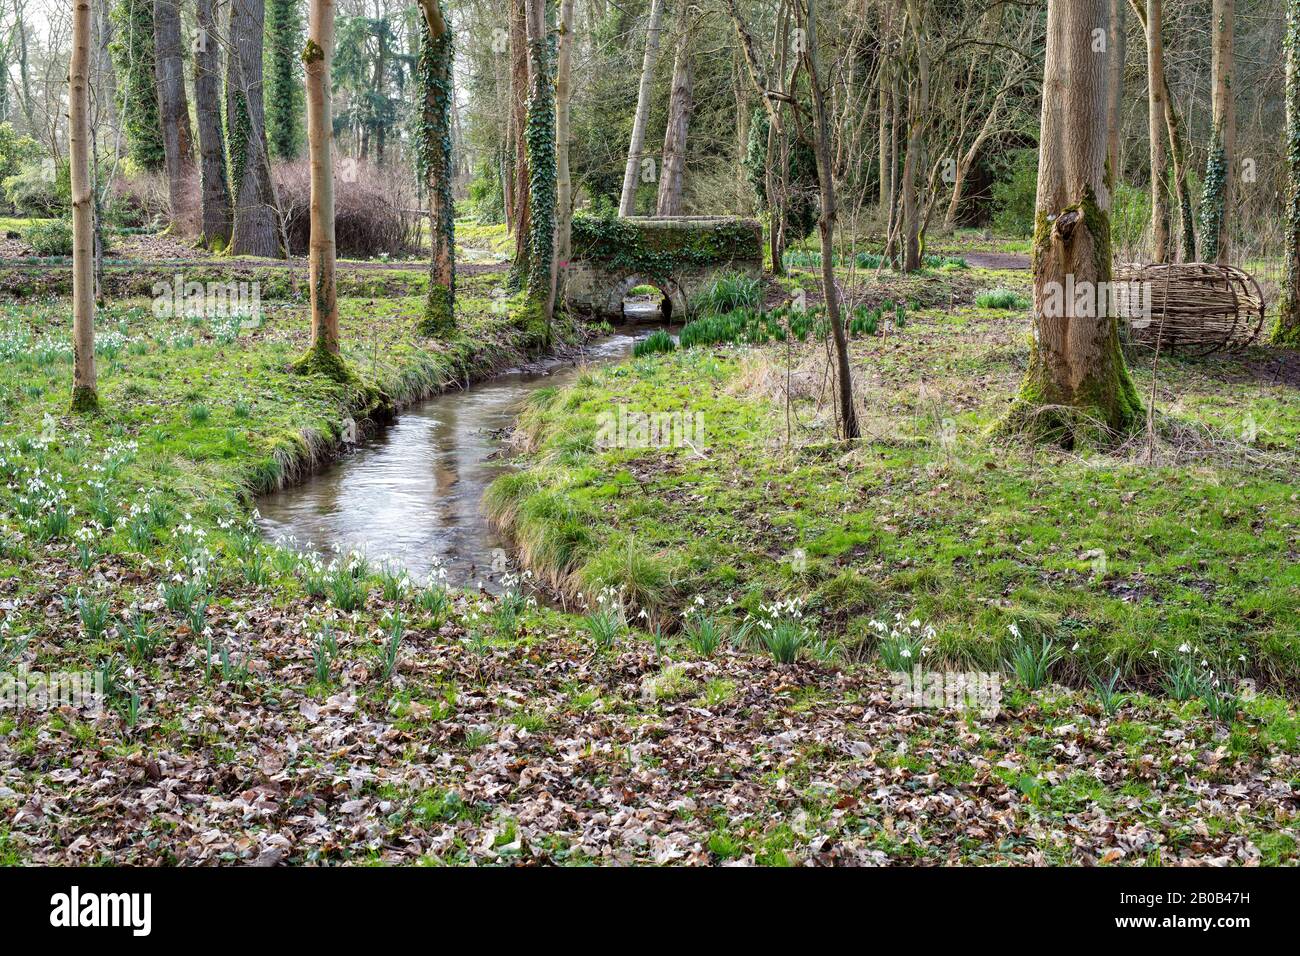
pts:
[826, 224]
[434, 160]
[174, 113]
[214, 187]
[522, 219]
[1286, 330]
[563, 176]
[1217, 197]
[1116, 43]
[85, 394]
[317, 57]
[256, 229]
[1076, 374]
[1156, 131]
[632, 171]
[672, 175]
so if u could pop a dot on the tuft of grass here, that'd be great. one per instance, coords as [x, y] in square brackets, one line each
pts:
[1108, 695]
[1002, 299]
[730, 292]
[1032, 663]
[654, 343]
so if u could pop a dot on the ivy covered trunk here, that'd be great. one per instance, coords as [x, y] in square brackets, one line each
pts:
[672, 176]
[174, 114]
[284, 87]
[256, 230]
[85, 397]
[1076, 376]
[133, 60]
[1286, 331]
[214, 188]
[541, 154]
[433, 156]
[1217, 198]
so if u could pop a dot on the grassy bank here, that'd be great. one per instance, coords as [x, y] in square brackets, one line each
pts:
[1119, 562]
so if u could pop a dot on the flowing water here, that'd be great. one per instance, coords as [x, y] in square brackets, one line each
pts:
[412, 493]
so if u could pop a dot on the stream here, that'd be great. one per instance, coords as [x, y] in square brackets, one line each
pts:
[411, 494]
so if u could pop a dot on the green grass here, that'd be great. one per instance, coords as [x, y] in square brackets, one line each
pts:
[962, 532]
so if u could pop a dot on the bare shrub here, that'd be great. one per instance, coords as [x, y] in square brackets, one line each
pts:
[372, 206]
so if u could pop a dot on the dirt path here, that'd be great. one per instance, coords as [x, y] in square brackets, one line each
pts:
[996, 260]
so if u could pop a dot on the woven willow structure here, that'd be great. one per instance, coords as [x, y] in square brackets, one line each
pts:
[1195, 307]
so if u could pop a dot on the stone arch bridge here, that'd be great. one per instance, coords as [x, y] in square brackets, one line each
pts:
[679, 255]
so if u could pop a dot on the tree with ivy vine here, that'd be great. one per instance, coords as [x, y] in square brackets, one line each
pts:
[284, 81]
[433, 160]
[539, 135]
[132, 51]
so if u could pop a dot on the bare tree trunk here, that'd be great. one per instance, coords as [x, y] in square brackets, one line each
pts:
[1116, 43]
[826, 227]
[85, 396]
[1077, 374]
[174, 113]
[563, 178]
[1286, 330]
[627, 200]
[673, 174]
[886, 174]
[1223, 140]
[214, 187]
[744, 199]
[1156, 123]
[256, 227]
[317, 58]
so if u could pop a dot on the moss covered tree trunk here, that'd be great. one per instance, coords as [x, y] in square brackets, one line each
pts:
[1076, 374]
[541, 156]
[85, 396]
[1286, 330]
[1217, 197]
[214, 187]
[434, 160]
[174, 114]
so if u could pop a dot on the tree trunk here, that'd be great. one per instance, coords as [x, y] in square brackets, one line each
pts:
[519, 122]
[1286, 330]
[627, 201]
[85, 396]
[317, 58]
[214, 188]
[1156, 123]
[563, 178]
[541, 159]
[918, 105]
[826, 227]
[1117, 42]
[1077, 374]
[673, 174]
[256, 229]
[886, 174]
[434, 160]
[174, 114]
[1217, 199]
